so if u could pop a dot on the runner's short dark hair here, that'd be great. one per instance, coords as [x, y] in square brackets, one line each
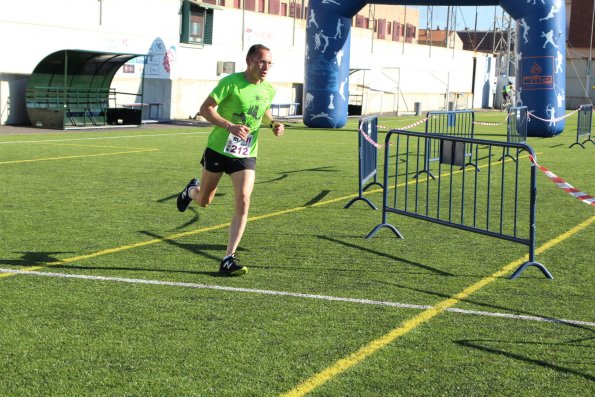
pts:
[255, 48]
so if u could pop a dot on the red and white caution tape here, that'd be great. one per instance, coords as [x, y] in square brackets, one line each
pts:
[555, 120]
[407, 126]
[370, 140]
[562, 184]
[379, 146]
[491, 124]
[414, 124]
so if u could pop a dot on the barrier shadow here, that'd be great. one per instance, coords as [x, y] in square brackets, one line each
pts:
[480, 345]
[285, 174]
[491, 306]
[385, 255]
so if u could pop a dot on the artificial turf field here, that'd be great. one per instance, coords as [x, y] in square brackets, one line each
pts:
[118, 294]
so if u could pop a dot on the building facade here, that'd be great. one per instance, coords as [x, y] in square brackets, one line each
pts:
[190, 45]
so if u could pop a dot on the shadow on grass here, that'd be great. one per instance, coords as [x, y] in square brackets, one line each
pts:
[481, 346]
[44, 259]
[175, 196]
[384, 255]
[191, 221]
[33, 258]
[318, 198]
[285, 174]
[491, 306]
[199, 249]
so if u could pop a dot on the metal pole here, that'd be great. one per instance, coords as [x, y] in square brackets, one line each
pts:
[494, 32]
[475, 28]
[447, 27]
[588, 82]
[372, 14]
[454, 30]
[429, 26]
[294, 14]
[508, 43]
[243, 24]
[405, 23]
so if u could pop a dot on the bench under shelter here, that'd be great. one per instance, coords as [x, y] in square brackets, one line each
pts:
[72, 89]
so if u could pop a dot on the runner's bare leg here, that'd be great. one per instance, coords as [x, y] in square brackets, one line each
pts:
[243, 183]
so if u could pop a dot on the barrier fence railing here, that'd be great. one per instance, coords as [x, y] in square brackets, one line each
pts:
[455, 123]
[516, 127]
[499, 202]
[368, 158]
[583, 127]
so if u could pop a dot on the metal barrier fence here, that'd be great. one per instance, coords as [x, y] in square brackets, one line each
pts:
[516, 127]
[368, 157]
[583, 127]
[499, 202]
[455, 123]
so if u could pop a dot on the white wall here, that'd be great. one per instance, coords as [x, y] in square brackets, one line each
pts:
[399, 74]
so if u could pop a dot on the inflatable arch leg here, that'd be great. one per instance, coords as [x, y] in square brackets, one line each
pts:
[540, 47]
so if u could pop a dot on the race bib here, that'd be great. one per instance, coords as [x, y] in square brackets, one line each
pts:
[237, 146]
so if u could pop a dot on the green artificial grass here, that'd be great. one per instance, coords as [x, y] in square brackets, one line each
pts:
[102, 204]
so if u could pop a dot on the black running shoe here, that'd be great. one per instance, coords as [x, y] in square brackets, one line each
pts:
[184, 198]
[230, 267]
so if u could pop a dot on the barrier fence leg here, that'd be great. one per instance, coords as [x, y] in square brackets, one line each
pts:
[380, 226]
[577, 143]
[543, 269]
[353, 200]
[532, 227]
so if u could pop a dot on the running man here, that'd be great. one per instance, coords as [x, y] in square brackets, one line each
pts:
[236, 107]
[507, 92]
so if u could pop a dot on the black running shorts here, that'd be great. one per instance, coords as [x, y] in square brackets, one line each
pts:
[217, 162]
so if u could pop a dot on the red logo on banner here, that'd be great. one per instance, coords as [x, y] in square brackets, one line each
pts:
[538, 73]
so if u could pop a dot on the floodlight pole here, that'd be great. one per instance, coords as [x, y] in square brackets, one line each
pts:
[588, 80]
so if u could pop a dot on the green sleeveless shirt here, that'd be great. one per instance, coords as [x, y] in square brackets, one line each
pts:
[240, 102]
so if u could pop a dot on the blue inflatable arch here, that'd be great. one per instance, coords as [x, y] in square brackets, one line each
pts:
[540, 51]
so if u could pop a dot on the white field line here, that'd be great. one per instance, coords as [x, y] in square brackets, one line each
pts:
[106, 137]
[297, 295]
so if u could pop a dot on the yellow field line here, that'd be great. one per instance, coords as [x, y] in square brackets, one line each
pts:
[76, 156]
[91, 145]
[344, 364]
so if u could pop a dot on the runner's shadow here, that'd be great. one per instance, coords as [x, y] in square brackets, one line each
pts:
[175, 196]
[318, 198]
[191, 221]
[46, 259]
[33, 258]
[199, 249]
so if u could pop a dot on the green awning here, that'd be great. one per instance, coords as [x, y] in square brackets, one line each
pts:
[78, 69]
[75, 83]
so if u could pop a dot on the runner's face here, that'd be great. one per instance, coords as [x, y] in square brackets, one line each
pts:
[259, 65]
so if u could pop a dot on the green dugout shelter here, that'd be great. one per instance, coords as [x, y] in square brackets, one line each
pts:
[72, 89]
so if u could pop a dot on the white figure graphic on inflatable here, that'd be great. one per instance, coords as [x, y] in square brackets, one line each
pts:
[549, 38]
[523, 24]
[312, 19]
[559, 60]
[553, 11]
